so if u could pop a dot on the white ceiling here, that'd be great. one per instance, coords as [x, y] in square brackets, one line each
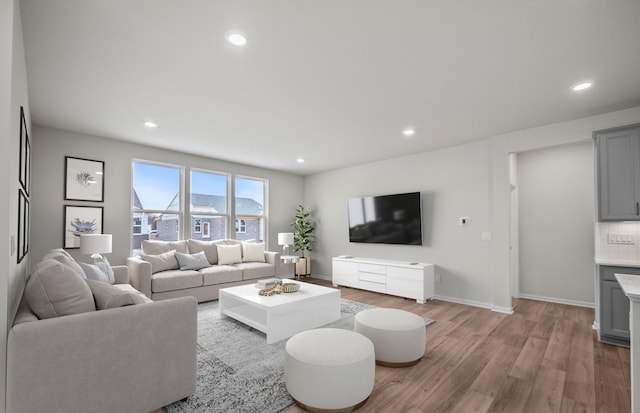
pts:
[333, 81]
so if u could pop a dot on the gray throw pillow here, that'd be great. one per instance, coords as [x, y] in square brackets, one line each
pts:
[113, 296]
[94, 272]
[192, 261]
[55, 290]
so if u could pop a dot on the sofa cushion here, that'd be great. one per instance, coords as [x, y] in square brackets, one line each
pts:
[55, 290]
[162, 262]
[192, 261]
[253, 252]
[253, 270]
[175, 280]
[229, 254]
[155, 247]
[65, 258]
[112, 296]
[208, 247]
[94, 272]
[220, 274]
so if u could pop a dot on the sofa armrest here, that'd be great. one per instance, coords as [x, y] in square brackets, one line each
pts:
[121, 274]
[136, 358]
[140, 275]
[273, 258]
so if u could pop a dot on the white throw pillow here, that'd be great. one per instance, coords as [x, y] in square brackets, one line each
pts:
[103, 264]
[192, 261]
[55, 290]
[162, 262]
[253, 252]
[93, 272]
[229, 254]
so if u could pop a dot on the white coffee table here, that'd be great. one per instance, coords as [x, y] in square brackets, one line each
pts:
[280, 316]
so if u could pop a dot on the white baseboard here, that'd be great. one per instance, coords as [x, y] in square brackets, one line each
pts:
[480, 304]
[321, 277]
[557, 300]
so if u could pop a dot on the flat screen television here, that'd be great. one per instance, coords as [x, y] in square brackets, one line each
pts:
[386, 219]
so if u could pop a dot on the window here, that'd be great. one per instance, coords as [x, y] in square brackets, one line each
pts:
[137, 225]
[249, 208]
[156, 208]
[209, 204]
[241, 226]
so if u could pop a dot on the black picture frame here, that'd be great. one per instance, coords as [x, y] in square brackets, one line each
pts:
[80, 219]
[23, 225]
[25, 154]
[83, 179]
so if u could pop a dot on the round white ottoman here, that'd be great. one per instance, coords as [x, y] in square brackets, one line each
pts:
[399, 337]
[329, 369]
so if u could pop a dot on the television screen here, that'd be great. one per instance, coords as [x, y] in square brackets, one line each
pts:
[387, 219]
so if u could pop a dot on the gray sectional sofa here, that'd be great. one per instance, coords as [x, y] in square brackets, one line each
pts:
[158, 274]
[80, 345]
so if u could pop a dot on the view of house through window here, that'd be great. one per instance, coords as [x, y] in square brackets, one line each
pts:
[156, 203]
[158, 210]
[208, 205]
[249, 208]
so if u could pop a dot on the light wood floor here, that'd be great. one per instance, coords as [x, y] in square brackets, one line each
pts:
[543, 358]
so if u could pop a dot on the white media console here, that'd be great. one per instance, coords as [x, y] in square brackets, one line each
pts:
[410, 280]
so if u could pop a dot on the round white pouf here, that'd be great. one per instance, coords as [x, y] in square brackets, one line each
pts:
[399, 337]
[329, 369]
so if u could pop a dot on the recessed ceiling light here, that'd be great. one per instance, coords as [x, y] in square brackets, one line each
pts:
[236, 37]
[150, 124]
[409, 132]
[300, 160]
[581, 86]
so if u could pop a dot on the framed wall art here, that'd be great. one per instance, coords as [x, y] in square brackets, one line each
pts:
[84, 179]
[23, 225]
[25, 154]
[80, 220]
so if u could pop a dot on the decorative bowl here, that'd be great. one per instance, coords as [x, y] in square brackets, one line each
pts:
[290, 287]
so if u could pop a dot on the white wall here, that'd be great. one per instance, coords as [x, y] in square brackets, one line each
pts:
[469, 180]
[50, 146]
[556, 199]
[13, 94]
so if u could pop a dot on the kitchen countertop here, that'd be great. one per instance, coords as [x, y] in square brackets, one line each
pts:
[630, 285]
[618, 262]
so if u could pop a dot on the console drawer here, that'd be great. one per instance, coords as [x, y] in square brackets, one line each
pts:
[371, 286]
[376, 269]
[376, 278]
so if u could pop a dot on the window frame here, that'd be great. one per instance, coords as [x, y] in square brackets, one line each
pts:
[224, 215]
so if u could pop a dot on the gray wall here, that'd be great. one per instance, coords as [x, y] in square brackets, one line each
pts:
[51, 146]
[556, 198]
[453, 182]
[14, 93]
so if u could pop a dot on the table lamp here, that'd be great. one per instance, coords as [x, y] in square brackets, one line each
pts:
[285, 239]
[95, 244]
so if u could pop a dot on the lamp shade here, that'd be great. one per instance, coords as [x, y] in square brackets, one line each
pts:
[285, 238]
[95, 244]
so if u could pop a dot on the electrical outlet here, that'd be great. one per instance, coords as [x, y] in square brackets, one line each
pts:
[463, 221]
[625, 239]
[438, 278]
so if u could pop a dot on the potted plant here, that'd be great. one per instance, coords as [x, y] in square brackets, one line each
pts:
[303, 237]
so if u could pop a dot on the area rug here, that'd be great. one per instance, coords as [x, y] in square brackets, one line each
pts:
[237, 370]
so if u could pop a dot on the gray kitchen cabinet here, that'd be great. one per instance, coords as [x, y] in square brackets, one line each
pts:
[618, 173]
[614, 306]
